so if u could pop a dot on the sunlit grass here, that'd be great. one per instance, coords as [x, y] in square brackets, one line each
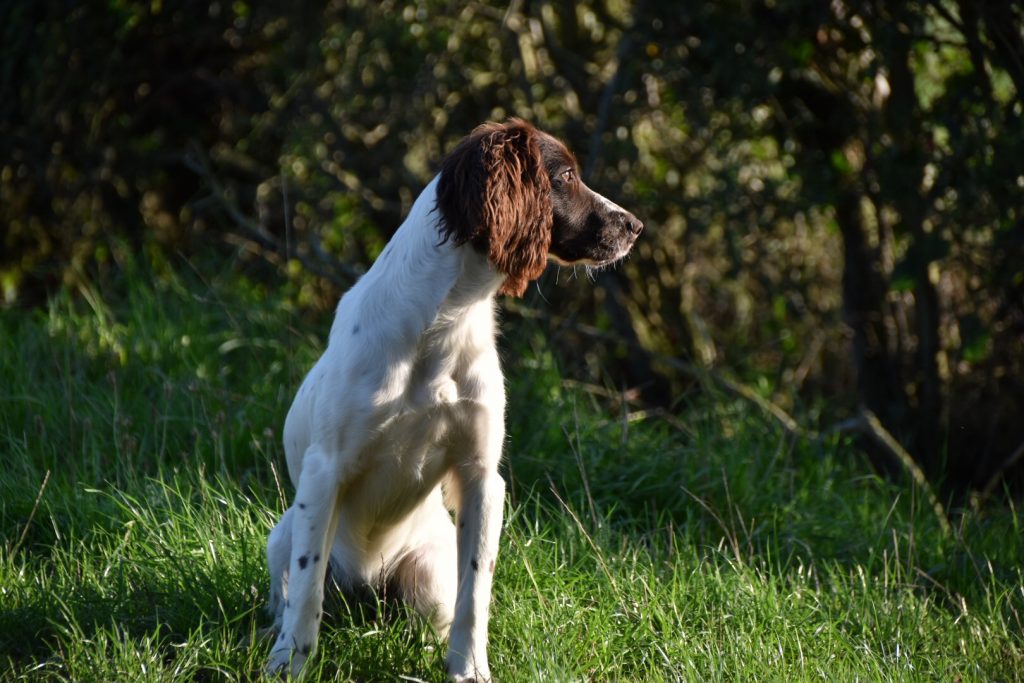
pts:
[139, 430]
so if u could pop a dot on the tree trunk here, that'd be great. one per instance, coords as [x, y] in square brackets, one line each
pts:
[879, 382]
[902, 185]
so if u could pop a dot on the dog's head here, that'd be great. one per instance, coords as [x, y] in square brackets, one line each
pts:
[514, 193]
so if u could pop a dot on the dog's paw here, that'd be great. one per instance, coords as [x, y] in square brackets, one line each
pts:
[284, 661]
[471, 678]
[462, 670]
[476, 677]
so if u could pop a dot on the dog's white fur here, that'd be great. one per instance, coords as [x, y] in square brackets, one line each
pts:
[409, 392]
[402, 418]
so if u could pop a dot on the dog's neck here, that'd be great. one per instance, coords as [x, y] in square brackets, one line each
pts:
[424, 276]
[468, 277]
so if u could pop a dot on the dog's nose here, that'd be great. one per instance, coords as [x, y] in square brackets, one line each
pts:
[632, 223]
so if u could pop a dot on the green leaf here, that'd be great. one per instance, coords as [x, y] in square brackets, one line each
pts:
[839, 162]
[974, 338]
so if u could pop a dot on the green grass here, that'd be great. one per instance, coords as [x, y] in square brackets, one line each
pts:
[139, 434]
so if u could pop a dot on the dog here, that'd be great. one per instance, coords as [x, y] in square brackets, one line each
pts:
[402, 418]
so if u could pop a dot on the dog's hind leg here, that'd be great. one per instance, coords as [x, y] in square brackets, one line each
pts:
[427, 575]
[314, 516]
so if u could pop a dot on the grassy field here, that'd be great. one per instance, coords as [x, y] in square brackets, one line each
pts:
[139, 434]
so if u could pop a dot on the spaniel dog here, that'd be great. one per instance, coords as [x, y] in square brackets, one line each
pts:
[402, 418]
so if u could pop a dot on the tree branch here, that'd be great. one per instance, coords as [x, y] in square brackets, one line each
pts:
[248, 230]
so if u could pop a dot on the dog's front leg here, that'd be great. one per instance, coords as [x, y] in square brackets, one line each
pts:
[482, 498]
[313, 521]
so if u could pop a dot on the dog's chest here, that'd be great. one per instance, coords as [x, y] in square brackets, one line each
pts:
[412, 453]
[415, 447]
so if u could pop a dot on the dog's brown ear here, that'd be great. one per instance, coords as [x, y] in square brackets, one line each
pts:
[494, 193]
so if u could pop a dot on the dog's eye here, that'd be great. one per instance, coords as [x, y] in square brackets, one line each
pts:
[569, 175]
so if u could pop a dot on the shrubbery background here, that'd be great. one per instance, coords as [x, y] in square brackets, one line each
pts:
[833, 191]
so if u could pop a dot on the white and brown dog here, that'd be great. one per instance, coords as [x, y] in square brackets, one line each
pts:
[402, 418]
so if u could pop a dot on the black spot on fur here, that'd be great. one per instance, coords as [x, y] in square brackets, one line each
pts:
[303, 561]
[306, 649]
[316, 558]
[355, 329]
[302, 506]
[475, 564]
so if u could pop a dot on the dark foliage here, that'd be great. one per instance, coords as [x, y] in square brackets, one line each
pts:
[833, 190]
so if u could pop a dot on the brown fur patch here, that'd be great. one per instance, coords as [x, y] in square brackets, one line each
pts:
[494, 193]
